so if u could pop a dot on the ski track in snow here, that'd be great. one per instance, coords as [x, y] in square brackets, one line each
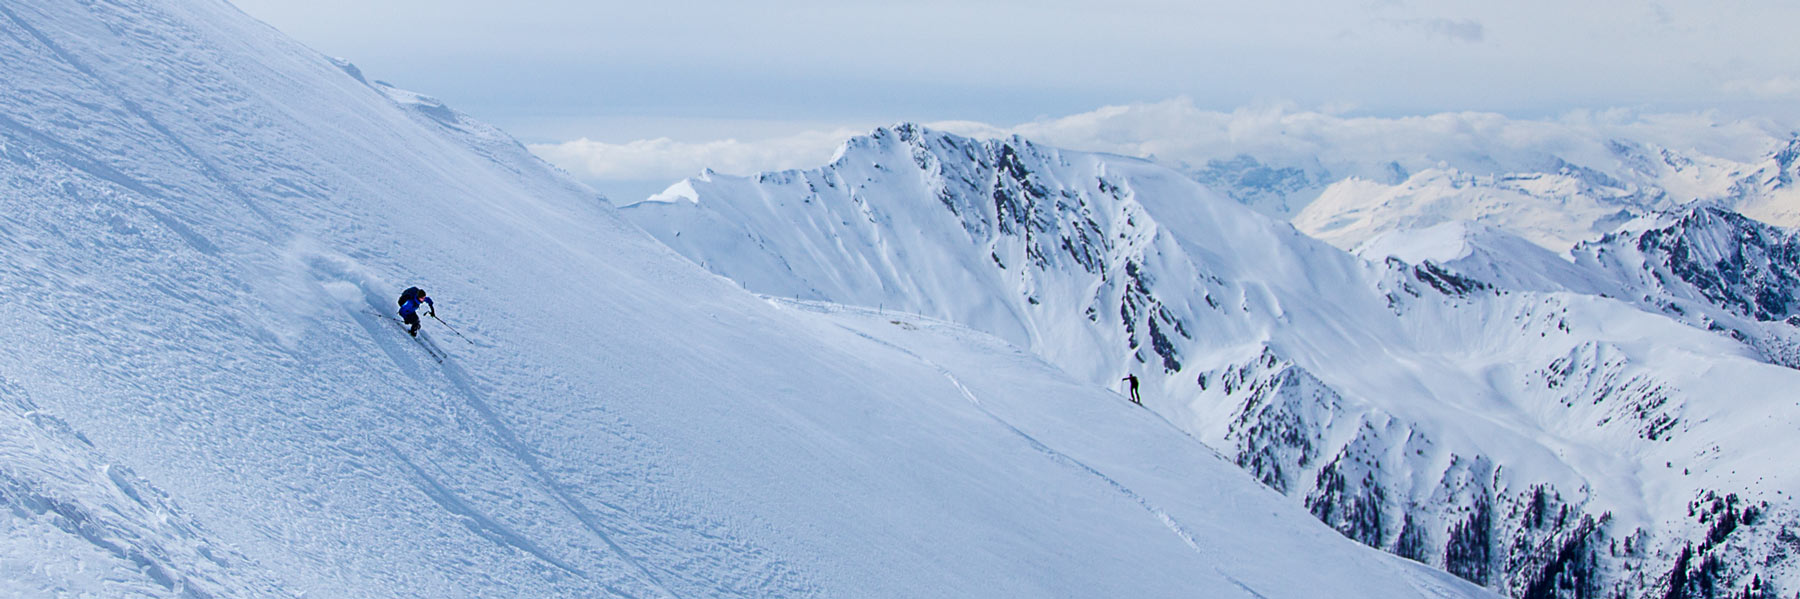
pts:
[576, 508]
[474, 399]
[1159, 514]
[211, 170]
[479, 522]
[636, 539]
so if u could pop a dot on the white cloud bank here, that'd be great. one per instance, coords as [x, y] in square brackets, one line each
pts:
[1176, 131]
[664, 158]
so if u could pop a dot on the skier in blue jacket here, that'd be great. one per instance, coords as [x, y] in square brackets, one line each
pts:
[409, 308]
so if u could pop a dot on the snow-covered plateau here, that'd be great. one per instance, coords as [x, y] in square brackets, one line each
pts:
[1613, 422]
[204, 394]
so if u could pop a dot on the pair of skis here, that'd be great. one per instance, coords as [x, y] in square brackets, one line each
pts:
[424, 342]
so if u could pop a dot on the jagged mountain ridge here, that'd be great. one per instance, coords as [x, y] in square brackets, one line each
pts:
[1412, 408]
[1710, 268]
[1728, 260]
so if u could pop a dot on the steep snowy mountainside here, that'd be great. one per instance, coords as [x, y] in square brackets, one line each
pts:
[1054, 233]
[1711, 268]
[1716, 256]
[1515, 432]
[836, 234]
[203, 225]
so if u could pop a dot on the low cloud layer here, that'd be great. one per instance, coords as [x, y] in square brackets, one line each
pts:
[1177, 131]
[664, 158]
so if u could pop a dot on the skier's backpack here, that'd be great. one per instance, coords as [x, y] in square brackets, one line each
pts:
[411, 293]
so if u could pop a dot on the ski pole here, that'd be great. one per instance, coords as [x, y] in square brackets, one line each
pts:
[452, 329]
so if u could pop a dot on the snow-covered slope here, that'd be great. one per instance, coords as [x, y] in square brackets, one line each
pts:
[81, 526]
[1530, 437]
[202, 225]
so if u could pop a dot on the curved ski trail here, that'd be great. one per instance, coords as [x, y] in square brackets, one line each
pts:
[1162, 516]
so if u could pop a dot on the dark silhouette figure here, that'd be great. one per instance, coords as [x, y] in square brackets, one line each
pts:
[409, 308]
[1132, 378]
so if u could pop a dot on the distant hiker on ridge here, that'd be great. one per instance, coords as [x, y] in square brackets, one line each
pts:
[1132, 378]
[409, 308]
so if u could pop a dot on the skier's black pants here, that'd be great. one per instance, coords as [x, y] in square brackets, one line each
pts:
[411, 318]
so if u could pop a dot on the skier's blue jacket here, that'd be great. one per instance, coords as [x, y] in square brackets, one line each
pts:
[411, 307]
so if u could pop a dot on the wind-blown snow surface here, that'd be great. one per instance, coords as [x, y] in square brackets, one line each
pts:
[1539, 439]
[202, 225]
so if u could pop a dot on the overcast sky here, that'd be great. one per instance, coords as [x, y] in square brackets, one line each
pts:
[802, 73]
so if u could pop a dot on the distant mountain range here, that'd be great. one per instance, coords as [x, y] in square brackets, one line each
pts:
[1551, 200]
